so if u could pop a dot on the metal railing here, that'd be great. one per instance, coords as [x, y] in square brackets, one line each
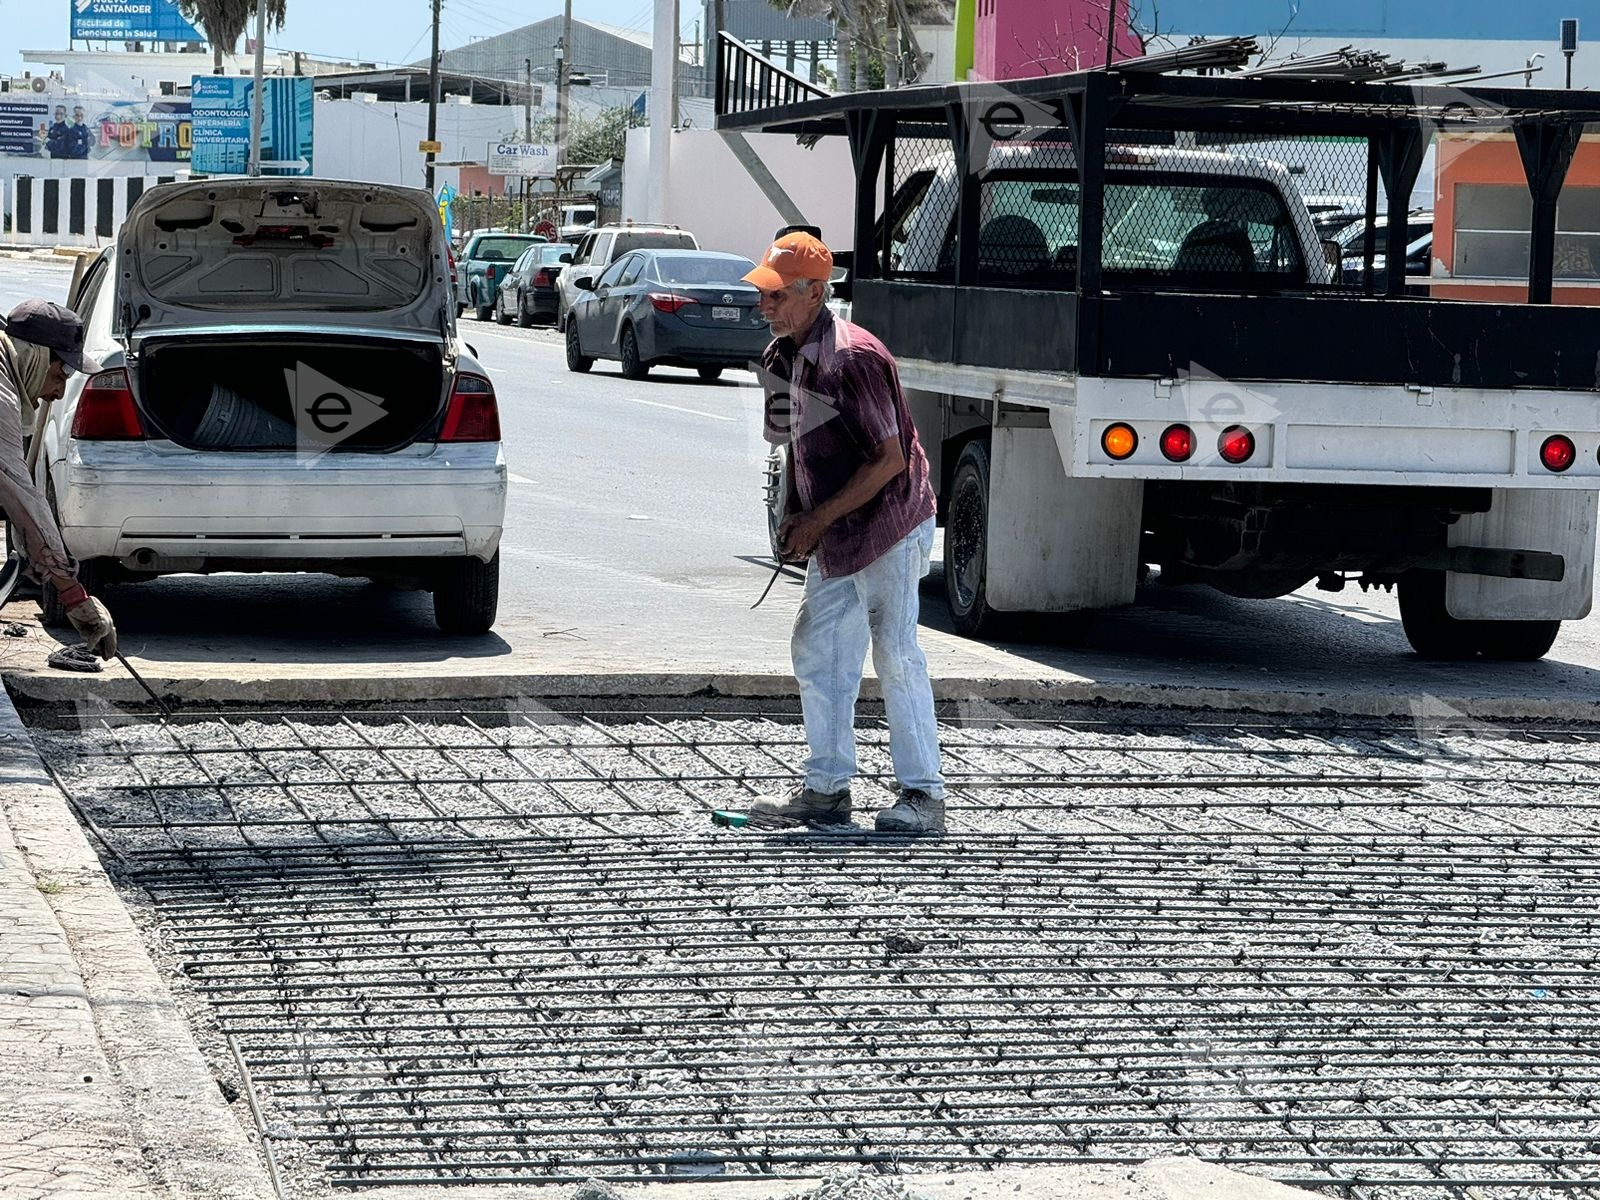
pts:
[748, 81]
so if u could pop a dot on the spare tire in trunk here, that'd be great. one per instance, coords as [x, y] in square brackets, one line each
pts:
[346, 394]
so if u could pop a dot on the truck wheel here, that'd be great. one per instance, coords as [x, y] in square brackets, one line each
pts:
[966, 546]
[1434, 633]
[576, 359]
[466, 596]
[1517, 641]
[53, 615]
[777, 490]
[633, 367]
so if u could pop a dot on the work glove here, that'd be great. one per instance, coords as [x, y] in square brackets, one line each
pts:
[90, 618]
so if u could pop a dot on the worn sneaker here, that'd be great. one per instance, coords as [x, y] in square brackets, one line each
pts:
[804, 804]
[914, 812]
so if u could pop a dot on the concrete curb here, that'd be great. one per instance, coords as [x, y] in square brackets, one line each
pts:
[115, 687]
[180, 1138]
[1157, 1179]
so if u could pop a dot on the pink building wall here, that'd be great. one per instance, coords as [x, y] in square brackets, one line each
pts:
[1023, 39]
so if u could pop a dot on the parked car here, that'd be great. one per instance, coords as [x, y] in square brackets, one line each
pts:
[598, 250]
[484, 262]
[528, 292]
[684, 308]
[1419, 250]
[282, 390]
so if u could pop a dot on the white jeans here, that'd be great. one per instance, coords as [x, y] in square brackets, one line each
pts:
[837, 619]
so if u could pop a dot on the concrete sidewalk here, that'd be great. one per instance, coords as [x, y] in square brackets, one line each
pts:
[103, 1091]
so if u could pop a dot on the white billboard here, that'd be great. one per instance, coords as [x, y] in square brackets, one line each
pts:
[521, 158]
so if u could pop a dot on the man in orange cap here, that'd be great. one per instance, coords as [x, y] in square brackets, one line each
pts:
[862, 511]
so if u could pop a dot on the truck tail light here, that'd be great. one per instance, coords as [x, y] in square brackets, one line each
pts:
[1558, 453]
[668, 302]
[1236, 444]
[106, 411]
[472, 415]
[1177, 443]
[1119, 441]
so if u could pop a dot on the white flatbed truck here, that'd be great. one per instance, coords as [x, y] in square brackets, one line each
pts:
[1149, 362]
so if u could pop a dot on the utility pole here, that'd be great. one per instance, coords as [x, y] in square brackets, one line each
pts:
[563, 75]
[663, 75]
[433, 95]
[255, 98]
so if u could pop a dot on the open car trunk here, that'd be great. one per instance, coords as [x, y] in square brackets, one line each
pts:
[292, 393]
[271, 252]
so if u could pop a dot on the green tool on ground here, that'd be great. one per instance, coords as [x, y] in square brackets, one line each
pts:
[727, 818]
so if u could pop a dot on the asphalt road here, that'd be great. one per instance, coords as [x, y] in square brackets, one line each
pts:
[635, 541]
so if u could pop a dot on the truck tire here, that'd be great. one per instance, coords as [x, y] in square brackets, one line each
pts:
[777, 495]
[466, 596]
[91, 573]
[1434, 633]
[576, 359]
[966, 547]
[1517, 641]
[633, 367]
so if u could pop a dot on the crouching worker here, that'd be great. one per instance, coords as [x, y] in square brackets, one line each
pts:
[865, 519]
[42, 345]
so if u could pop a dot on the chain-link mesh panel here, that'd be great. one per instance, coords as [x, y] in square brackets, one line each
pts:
[920, 214]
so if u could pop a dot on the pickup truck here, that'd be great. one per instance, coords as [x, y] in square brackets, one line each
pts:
[601, 247]
[1144, 360]
[483, 265]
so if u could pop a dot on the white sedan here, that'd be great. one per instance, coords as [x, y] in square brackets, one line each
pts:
[282, 390]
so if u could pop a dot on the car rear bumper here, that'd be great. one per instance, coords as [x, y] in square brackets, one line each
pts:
[669, 339]
[153, 503]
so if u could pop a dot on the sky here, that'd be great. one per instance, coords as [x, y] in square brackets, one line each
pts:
[382, 31]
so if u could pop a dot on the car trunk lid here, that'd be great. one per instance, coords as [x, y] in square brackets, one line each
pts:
[268, 252]
[715, 306]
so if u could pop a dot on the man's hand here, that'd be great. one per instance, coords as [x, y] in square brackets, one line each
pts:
[799, 535]
[90, 618]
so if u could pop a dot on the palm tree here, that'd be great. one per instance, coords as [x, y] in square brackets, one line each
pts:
[224, 20]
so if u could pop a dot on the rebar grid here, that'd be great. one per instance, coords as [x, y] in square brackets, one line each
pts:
[485, 946]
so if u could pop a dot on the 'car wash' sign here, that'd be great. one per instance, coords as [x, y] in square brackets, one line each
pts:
[521, 158]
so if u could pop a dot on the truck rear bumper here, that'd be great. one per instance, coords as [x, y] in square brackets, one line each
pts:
[1345, 434]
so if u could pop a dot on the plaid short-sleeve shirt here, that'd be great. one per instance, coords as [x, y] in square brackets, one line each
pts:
[834, 396]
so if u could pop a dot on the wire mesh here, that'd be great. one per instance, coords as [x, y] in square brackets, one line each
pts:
[479, 947]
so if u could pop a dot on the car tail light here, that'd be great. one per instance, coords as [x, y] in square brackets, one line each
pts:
[543, 278]
[1558, 453]
[472, 415]
[1119, 441]
[1236, 444]
[1177, 443]
[668, 302]
[106, 412]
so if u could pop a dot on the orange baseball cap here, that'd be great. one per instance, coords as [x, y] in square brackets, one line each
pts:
[793, 257]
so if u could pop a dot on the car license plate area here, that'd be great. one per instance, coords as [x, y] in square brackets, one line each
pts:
[719, 313]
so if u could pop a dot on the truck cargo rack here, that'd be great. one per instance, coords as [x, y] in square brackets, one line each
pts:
[1370, 136]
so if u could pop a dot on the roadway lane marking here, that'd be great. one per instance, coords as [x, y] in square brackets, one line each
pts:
[693, 412]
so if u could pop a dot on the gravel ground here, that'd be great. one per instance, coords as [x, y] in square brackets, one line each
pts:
[509, 945]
